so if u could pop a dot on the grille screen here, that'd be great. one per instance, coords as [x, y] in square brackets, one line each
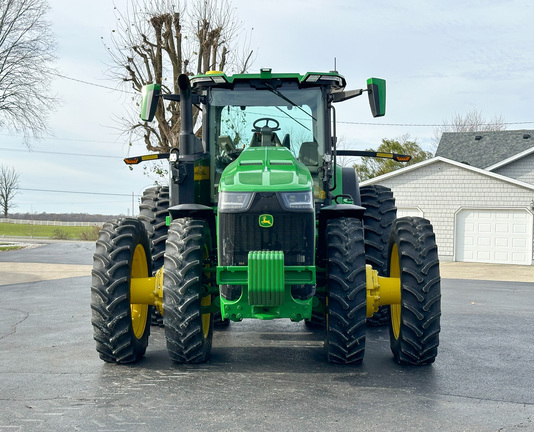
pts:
[292, 233]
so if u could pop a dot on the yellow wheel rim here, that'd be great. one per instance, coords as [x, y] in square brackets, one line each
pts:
[139, 311]
[206, 301]
[394, 272]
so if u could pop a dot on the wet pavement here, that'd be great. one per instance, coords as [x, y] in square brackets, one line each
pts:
[268, 375]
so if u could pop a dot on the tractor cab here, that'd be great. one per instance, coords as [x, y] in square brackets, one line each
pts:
[252, 113]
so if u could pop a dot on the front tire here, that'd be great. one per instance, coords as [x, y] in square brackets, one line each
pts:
[415, 322]
[188, 331]
[121, 329]
[346, 295]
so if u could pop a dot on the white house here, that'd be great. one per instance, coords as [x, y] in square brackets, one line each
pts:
[478, 193]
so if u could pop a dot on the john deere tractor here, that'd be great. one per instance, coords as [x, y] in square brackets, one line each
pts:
[261, 222]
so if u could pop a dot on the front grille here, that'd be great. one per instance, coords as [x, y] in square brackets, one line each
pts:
[292, 233]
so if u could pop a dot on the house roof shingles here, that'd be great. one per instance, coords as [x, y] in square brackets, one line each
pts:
[490, 149]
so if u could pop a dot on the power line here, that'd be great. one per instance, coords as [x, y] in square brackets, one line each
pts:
[424, 125]
[94, 84]
[65, 139]
[77, 192]
[62, 153]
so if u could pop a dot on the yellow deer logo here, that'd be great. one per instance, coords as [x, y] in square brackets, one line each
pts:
[266, 221]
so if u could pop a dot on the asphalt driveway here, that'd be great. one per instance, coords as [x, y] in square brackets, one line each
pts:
[263, 375]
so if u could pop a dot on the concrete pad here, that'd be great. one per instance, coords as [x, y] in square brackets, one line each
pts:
[16, 272]
[491, 272]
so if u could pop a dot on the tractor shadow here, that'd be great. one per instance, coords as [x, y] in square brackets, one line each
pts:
[278, 347]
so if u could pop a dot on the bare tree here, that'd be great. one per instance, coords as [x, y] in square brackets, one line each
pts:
[472, 121]
[26, 54]
[9, 184]
[158, 41]
[345, 161]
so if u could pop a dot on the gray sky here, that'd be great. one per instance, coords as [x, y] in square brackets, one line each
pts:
[439, 59]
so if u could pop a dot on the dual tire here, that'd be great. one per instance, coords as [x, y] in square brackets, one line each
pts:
[414, 323]
[120, 329]
[153, 212]
[346, 291]
[380, 212]
[188, 330]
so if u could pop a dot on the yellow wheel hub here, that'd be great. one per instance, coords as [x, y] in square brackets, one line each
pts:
[394, 272]
[139, 311]
[206, 301]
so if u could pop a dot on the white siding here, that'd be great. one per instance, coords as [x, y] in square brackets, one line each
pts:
[407, 211]
[522, 169]
[441, 189]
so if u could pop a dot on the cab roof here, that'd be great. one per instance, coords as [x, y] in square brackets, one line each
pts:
[309, 79]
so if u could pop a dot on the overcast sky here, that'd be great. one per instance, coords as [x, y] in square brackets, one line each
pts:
[439, 59]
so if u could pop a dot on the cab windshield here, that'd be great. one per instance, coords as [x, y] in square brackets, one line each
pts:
[286, 116]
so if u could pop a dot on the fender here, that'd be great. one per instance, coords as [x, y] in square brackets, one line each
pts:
[198, 211]
[334, 211]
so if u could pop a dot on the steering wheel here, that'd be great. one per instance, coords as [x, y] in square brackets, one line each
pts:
[266, 120]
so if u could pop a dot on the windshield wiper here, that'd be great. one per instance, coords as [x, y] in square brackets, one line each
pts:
[293, 118]
[282, 96]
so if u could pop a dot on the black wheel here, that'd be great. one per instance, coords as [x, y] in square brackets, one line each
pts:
[153, 212]
[380, 212]
[346, 295]
[415, 322]
[188, 331]
[121, 329]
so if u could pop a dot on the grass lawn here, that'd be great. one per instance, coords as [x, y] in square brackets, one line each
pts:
[57, 232]
[4, 248]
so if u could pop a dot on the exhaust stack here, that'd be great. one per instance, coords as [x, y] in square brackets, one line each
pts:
[186, 140]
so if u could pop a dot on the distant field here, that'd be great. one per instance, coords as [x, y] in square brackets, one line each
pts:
[58, 232]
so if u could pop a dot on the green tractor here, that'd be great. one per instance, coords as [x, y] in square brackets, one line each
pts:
[262, 222]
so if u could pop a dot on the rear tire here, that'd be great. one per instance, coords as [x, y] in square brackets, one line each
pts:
[121, 330]
[153, 212]
[415, 322]
[188, 332]
[346, 295]
[380, 212]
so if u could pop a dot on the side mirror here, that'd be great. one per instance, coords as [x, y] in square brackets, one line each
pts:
[376, 88]
[149, 103]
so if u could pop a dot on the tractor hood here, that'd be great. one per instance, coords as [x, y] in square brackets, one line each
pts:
[262, 169]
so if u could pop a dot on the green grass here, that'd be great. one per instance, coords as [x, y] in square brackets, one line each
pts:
[63, 232]
[9, 248]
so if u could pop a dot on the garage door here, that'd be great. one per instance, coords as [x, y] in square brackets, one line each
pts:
[494, 236]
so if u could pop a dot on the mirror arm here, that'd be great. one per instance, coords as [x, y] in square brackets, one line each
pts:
[364, 153]
[345, 95]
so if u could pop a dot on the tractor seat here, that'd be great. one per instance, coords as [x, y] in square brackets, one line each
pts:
[309, 155]
[273, 141]
[225, 143]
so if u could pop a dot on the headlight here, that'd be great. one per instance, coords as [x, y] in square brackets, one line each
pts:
[233, 202]
[296, 200]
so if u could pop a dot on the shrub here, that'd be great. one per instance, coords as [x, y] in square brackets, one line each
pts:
[60, 234]
[90, 234]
